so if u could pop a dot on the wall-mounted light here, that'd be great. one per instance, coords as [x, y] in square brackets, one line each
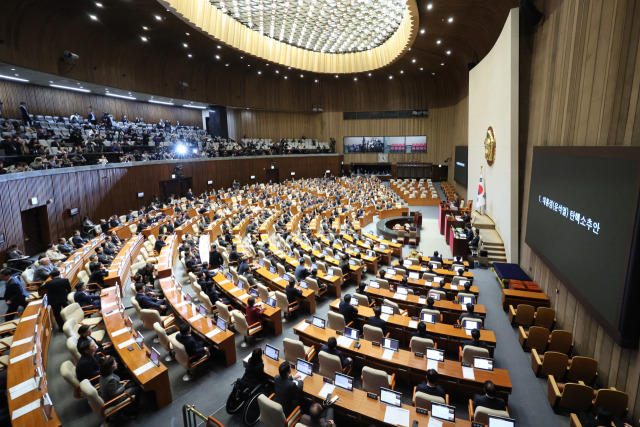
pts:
[74, 211]
[293, 173]
[209, 182]
[140, 195]
[33, 201]
[253, 177]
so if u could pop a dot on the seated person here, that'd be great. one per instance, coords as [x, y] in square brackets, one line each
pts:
[301, 272]
[437, 257]
[54, 254]
[111, 386]
[475, 240]
[148, 274]
[331, 347]
[64, 247]
[85, 299]
[287, 388]
[84, 334]
[318, 417]
[470, 314]
[376, 321]
[98, 275]
[253, 313]
[77, 240]
[422, 331]
[292, 292]
[146, 301]
[254, 371]
[429, 386]
[475, 341]
[88, 365]
[489, 399]
[191, 263]
[245, 267]
[348, 311]
[192, 346]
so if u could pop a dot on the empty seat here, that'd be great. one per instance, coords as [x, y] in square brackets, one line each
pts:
[550, 363]
[536, 337]
[523, 315]
[574, 397]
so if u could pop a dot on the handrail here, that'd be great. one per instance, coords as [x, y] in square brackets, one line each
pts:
[191, 417]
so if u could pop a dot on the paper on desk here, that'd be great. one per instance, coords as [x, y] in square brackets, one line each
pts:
[454, 287]
[109, 304]
[24, 319]
[144, 368]
[25, 409]
[388, 354]
[413, 324]
[468, 331]
[119, 332]
[432, 364]
[326, 390]
[423, 268]
[213, 333]
[110, 313]
[23, 356]
[384, 317]
[344, 341]
[467, 373]
[400, 296]
[433, 422]
[302, 326]
[36, 302]
[126, 343]
[234, 290]
[225, 281]
[180, 304]
[23, 388]
[196, 317]
[22, 341]
[422, 300]
[396, 416]
[244, 296]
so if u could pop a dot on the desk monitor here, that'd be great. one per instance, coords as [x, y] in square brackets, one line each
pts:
[391, 272]
[230, 277]
[354, 301]
[314, 266]
[435, 354]
[407, 263]
[467, 300]
[373, 284]
[390, 344]
[443, 412]
[414, 276]
[254, 293]
[402, 290]
[271, 302]
[271, 352]
[240, 285]
[352, 262]
[286, 277]
[188, 298]
[45, 301]
[272, 270]
[330, 272]
[354, 334]
[470, 324]
[318, 322]
[435, 295]
[324, 252]
[139, 339]
[221, 324]
[495, 421]
[356, 250]
[394, 240]
[371, 254]
[261, 262]
[304, 367]
[428, 318]
[483, 363]
[155, 356]
[290, 254]
[344, 381]
[202, 310]
[390, 397]
[387, 309]
[438, 279]
[128, 323]
[383, 247]
[304, 285]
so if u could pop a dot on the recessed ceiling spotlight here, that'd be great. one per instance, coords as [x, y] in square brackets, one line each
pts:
[301, 76]
[401, 71]
[248, 65]
[259, 72]
[158, 17]
[336, 76]
[185, 45]
[285, 77]
[316, 81]
[450, 20]
[99, 4]
[145, 28]
[429, 6]
[188, 34]
[217, 56]
[144, 38]
[390, 77]
[93, 17]
[433, 74]
[422, 31]
[369, 74]
[190, 55]
[448, 52]
[421, 68]
[242, 57]
[277, 71]
[226, 65]
[219, 47]
[442, 63]
[438, 41]
[413, 60]
[355, 79]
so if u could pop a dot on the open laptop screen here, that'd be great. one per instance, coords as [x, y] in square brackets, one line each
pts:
[304, 367]
[390, 344]
[271, 352]
[434, 354]
[427, 318]
[443, 412]
[483, 363]
[351, 333]
[318, 322]
[495, 421]
[344, 381]
[221, 324]
[386, 309]
[390, 397]
[154, 356]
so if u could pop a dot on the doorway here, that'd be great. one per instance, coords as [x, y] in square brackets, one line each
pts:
[273, 175]
[178, 187]
[35, 226]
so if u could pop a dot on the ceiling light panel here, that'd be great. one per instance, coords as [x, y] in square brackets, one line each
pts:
[326, 26]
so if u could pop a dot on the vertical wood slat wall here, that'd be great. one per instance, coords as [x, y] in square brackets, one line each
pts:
[100, 193]
[583, 91]
[47, 101]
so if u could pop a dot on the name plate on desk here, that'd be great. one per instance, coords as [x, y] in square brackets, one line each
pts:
[420, 355]
[372, 396]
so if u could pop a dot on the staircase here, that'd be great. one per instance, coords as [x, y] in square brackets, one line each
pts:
[491, 240]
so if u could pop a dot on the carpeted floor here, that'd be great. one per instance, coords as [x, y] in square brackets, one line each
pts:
[211, 385]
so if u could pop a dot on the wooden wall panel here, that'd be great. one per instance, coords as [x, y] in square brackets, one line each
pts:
[47, 101]
[579, 83]
[102, 192]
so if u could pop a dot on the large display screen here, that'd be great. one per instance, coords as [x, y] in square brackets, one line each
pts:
[581, 221]
[460, 169]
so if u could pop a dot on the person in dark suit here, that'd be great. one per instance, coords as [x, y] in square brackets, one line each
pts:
[475, 334]
[111, 386]
[489, 399]
[470, 314]
[14, 294]
[98, 275]
[475, 240]
[88, 365]
[215, 258]
[77, 239]
[24, 114]
[301, 272]
[93, 119]
[317, 417]
[344, 264]
[57, 290]
[376, 321]
[254, 371]
[192, 346]
[234, 255]
[149, 302]
[17, 258]
[429, 386]
[287, 388]
[85, 299]
[84, 334]
[292, 293]
[244, 266]
[348, 311]
[422, 331]
[331, 347]
[469, 232]
[160, 243]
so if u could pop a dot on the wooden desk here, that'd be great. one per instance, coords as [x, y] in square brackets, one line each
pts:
[415, 303]
[447, 274]
[387, 213]
[458, 243]
[366, 219]
[443, 211]
[396, 248]
[448, 337]
[76, 261]
[271, 316]
[423, 286]
[451, 221]
[155, 379]
[166, 257]
[353, 405]
[120, 268]
[202, 326]
[513, 297]
[406, 365]
[277, 283]
[24, 370]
